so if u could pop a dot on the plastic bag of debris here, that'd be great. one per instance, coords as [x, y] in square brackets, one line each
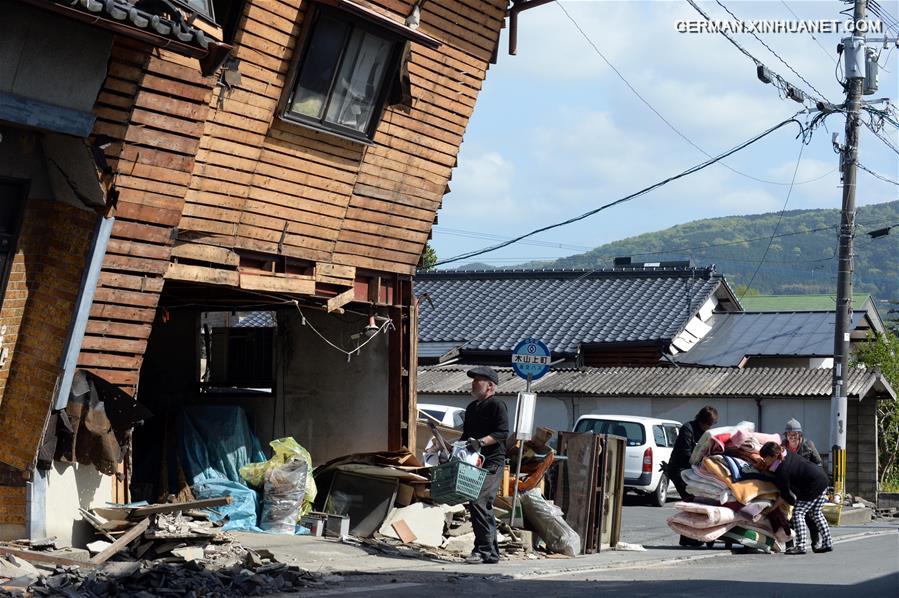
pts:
[285, 449]
[283, 495]
[546, 519]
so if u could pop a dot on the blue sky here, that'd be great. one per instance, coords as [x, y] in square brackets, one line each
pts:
[556, 133]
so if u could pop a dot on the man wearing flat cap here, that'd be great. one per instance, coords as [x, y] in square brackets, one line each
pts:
[486, 429]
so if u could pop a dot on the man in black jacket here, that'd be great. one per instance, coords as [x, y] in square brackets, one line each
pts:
[801, 483]
[486, 428]
[689, 435]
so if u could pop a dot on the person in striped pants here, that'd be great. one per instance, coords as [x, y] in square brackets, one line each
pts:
[802, 484]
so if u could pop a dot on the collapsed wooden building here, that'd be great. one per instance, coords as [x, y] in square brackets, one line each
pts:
[216, 202]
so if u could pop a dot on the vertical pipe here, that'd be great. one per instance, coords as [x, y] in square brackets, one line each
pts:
[85, 299]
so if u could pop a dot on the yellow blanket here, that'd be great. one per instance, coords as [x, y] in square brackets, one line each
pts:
[745, 490]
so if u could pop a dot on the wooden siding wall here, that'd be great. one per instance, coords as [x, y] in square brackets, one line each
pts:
[153, 104]
[264, 185]
[861, 444]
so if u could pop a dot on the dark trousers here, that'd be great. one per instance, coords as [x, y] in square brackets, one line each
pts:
[482, 519]
[674, 474]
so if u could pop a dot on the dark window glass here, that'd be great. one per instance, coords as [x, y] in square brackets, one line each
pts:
[319, 65]
[658, 435]
[672, 432]
[634, 432]
[342, 76]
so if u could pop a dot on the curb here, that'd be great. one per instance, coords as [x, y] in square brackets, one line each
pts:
[664, 561]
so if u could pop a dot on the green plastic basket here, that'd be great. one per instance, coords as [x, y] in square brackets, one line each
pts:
[456, 482]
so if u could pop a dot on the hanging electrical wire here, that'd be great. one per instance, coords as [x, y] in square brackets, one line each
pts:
[812, 35]
[776, 55]
[388, 324]
[804, 134]
[765, 74]
[876, 175]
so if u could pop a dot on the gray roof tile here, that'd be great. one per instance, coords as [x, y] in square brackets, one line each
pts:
[660, 382]
[493, 310]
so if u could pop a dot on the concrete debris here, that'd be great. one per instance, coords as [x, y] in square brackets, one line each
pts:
[463, 544]
[426, 523]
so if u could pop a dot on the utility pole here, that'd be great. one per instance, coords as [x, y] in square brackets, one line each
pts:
[854, 51]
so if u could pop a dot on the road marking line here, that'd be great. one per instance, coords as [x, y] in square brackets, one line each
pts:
[668, 562]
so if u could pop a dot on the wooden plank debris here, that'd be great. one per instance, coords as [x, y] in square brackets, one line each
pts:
[121, 543]
[39, 557]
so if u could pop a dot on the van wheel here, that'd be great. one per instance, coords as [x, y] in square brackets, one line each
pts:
[659, 497]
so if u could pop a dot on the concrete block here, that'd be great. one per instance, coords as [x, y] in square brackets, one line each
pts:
[189, 553]
[527, 539]
[460, 544]
[425, 521]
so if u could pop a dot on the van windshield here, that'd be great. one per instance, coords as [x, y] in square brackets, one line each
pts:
[634, 432]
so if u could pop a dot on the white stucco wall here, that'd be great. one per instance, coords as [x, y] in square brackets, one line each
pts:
[561, 412]
[70, 486]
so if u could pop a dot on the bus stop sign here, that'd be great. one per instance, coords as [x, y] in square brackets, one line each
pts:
[530, 358]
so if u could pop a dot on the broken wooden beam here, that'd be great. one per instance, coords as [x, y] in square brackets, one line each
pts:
[121, 543]
[39, 557]
[204, 503]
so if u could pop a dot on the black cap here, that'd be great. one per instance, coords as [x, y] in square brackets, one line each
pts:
[482, 371]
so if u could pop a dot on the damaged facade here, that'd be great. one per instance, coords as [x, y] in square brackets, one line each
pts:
[194, 226]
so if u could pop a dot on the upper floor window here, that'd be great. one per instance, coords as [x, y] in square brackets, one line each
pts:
[342, 76]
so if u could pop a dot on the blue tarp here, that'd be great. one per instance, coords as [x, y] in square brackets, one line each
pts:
[216, 441]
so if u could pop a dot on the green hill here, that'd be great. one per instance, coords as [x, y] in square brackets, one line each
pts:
[801, 259]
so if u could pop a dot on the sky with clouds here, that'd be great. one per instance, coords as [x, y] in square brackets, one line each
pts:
[557, 133]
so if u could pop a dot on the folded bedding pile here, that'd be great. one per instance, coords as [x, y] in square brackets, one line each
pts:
[732, 499]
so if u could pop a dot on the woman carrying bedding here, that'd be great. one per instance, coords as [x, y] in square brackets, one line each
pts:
[802, 484]
[679, 460]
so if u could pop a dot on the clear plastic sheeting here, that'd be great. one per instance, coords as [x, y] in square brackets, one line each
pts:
[284, 489]
[546, 519]
[286, 450]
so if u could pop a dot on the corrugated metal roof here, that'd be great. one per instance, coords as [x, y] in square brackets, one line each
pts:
[736, 335]
[438, 349]
[666, 382]
[494, 310]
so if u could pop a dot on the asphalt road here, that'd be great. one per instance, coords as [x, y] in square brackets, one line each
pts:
[861, 567]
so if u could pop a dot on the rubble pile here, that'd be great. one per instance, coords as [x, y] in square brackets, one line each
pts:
[193, 578]
[160, 549]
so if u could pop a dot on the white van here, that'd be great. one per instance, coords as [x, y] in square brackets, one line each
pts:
[649, 443]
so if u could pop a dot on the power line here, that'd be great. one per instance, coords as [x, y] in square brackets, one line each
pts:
[782, 84]
[812, 35]
[657, 113]
[723, 259]
[479, 235]
[874, 174]
[689, 171]
[779, 220]
[761, 41]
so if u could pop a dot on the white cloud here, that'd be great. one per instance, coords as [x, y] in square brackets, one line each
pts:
[557, 133]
